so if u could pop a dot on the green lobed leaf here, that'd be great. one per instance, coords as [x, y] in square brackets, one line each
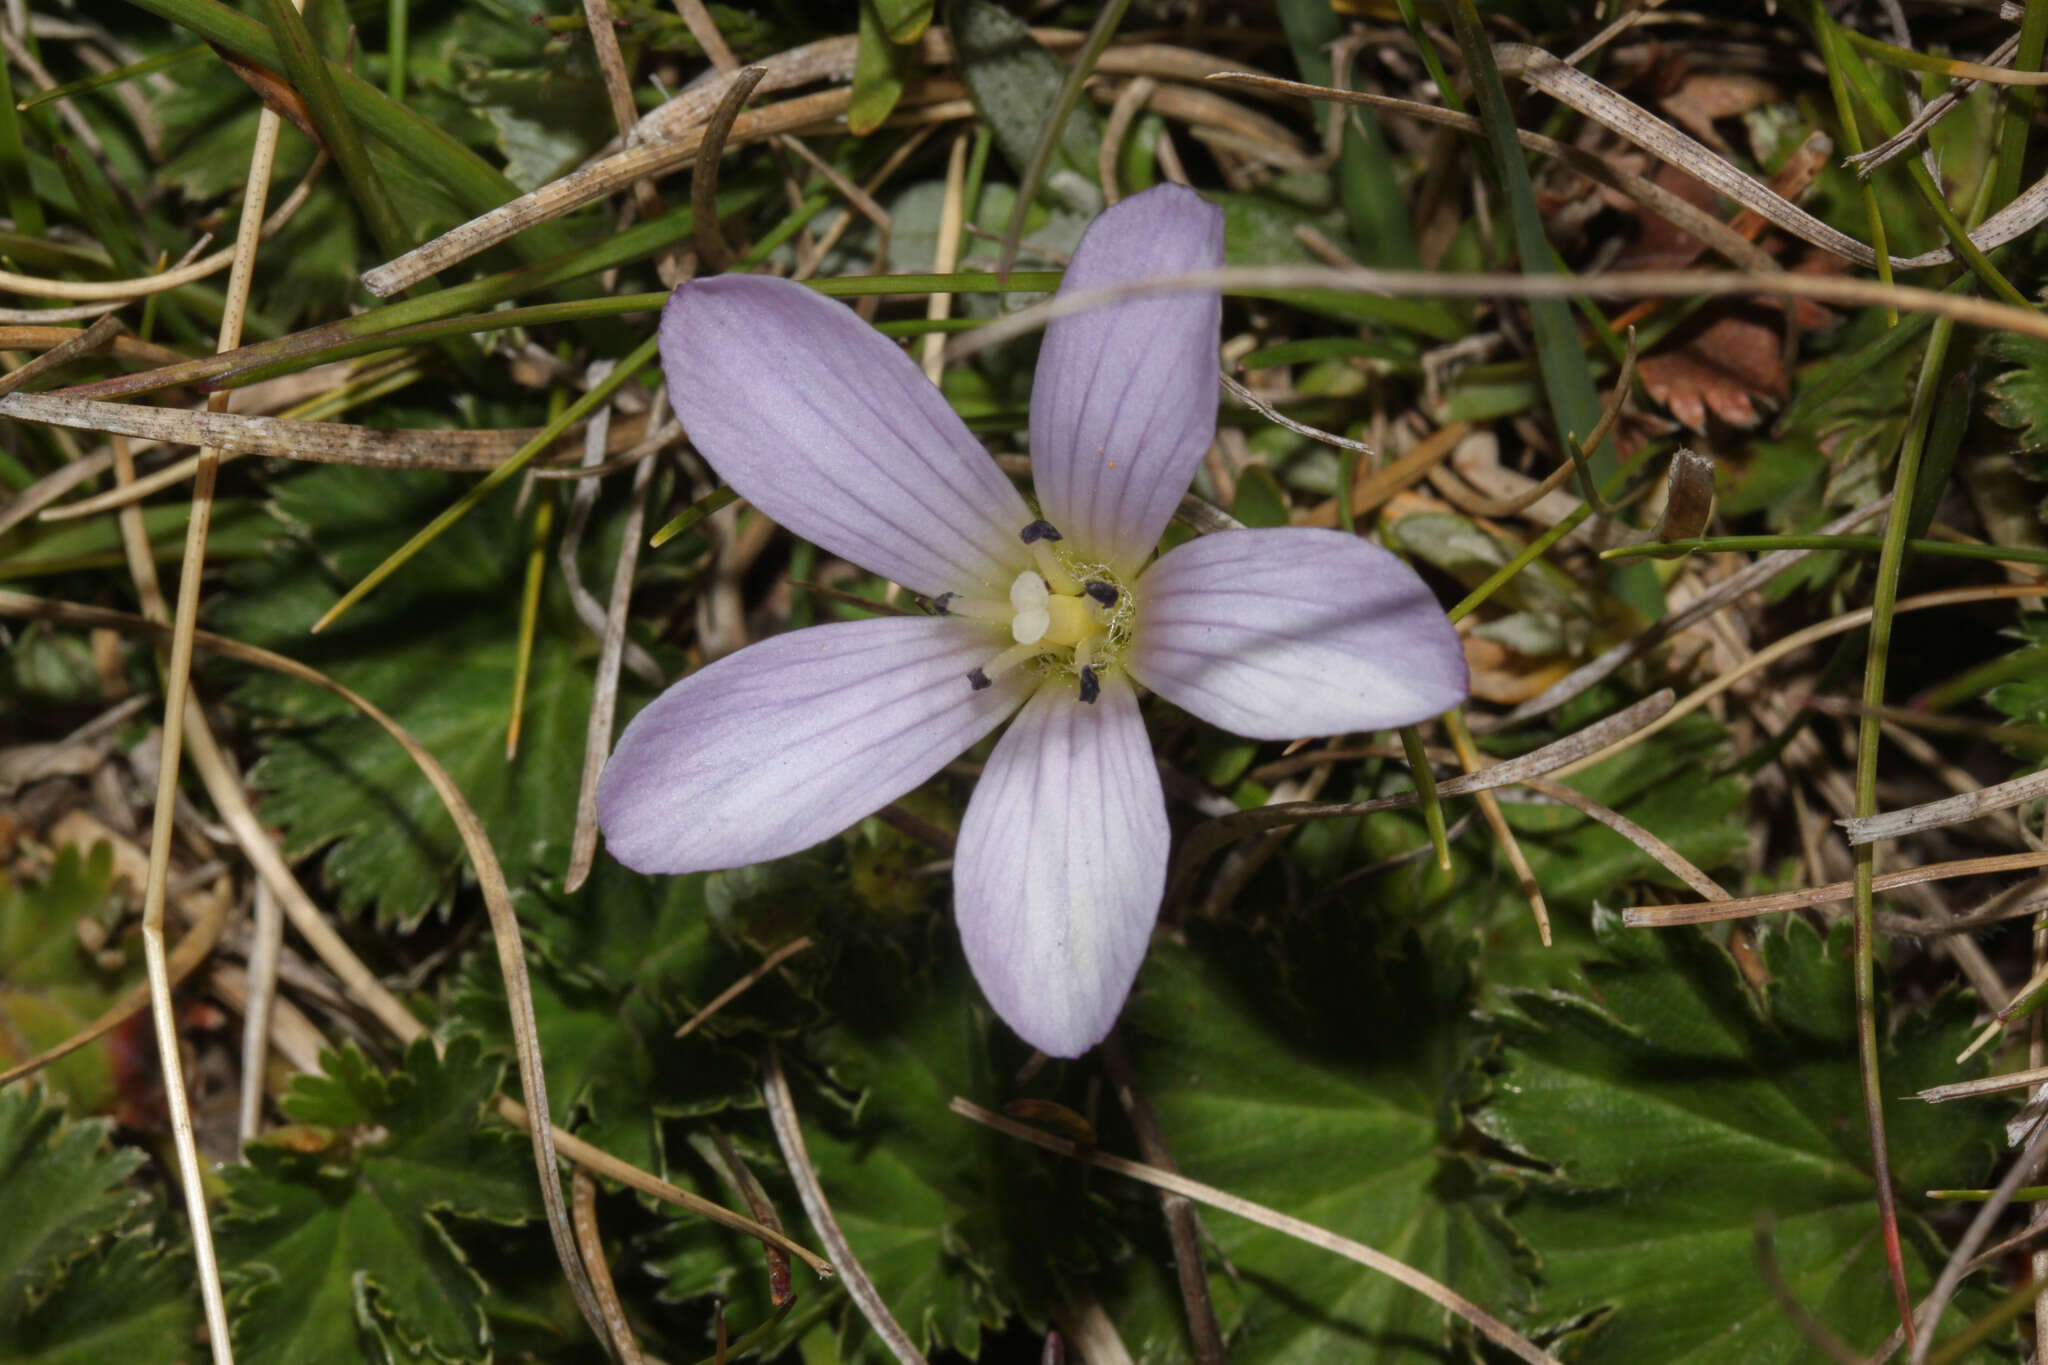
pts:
[134, 1302]
[1325, 1074]
[436, 647]
[50, 987]
[324, 1248]
[1684, 1109]
[64, 1191]
[2019, 396]
[615, 970]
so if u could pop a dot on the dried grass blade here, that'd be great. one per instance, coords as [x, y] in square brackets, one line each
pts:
[118, 292]
[789, 1135]
[1568, 85]
[711, 247]
[79, 343]
[744, 984]
[590, 1242]
[240, 434]
[1716, 235]
[1257, 280]
[1211, 835]
[1952, 810]
[1666, 916]
[1449, 1299]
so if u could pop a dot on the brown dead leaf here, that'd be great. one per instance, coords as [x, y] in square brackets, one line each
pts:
[1725, 369]
[1505, 678]
[279, 95]
[1703, 97]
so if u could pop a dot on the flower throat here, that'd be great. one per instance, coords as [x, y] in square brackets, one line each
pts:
[1064, 616]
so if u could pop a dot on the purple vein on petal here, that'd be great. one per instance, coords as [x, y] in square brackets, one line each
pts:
[789, 741]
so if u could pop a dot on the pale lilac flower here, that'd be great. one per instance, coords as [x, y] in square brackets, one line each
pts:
[1052, 615]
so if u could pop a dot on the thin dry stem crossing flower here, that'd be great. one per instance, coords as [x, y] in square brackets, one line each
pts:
[1493, 1328]
[789, 1135]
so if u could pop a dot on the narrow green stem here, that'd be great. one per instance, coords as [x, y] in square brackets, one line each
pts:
[2020, 104]
[703, 507]
[1849, 544]
[601, 392]
[1055, 127]
[1891, 560]
[315, 83]
[1866, 90]
[1852, 138]
[101, 79]
[398, 15]
[1425, 792]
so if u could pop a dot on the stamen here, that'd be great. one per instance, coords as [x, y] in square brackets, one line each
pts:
[986, 675]
[978, 608]
[1056, 576]
[1105, 593]
[941, 604]
[1091, 686]
[1039, 530]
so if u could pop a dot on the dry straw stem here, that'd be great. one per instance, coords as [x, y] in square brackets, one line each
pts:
[1666, 916]
[1753, 576]
[1951, 1277]
[1206, 838]
[1952, 810]
[1716, 235]
[1573, 87]
[1984, 314]
[1670, 858]
[789, 1135]
[1495, 1330]
[711, 247]
[1988, 1085]
[1471, 761]
[177, 671]
[363, 984]
[124, 291]
[1778, 649]
[744, 984]
[241, 434]
[667, 139]
[590, 1242]
[612, 652]
[72, 346]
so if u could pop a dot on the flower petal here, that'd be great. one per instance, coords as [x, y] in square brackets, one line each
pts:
[1125, 400]
[825, 425]
[791, 740]
[1281, 633]
[1061, 864]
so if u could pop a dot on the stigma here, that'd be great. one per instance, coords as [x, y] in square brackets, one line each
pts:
[1065, 619]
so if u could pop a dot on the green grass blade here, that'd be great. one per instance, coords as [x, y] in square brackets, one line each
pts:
[309, 74]
[467, 177]
[642, 356]
[1567, 377]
